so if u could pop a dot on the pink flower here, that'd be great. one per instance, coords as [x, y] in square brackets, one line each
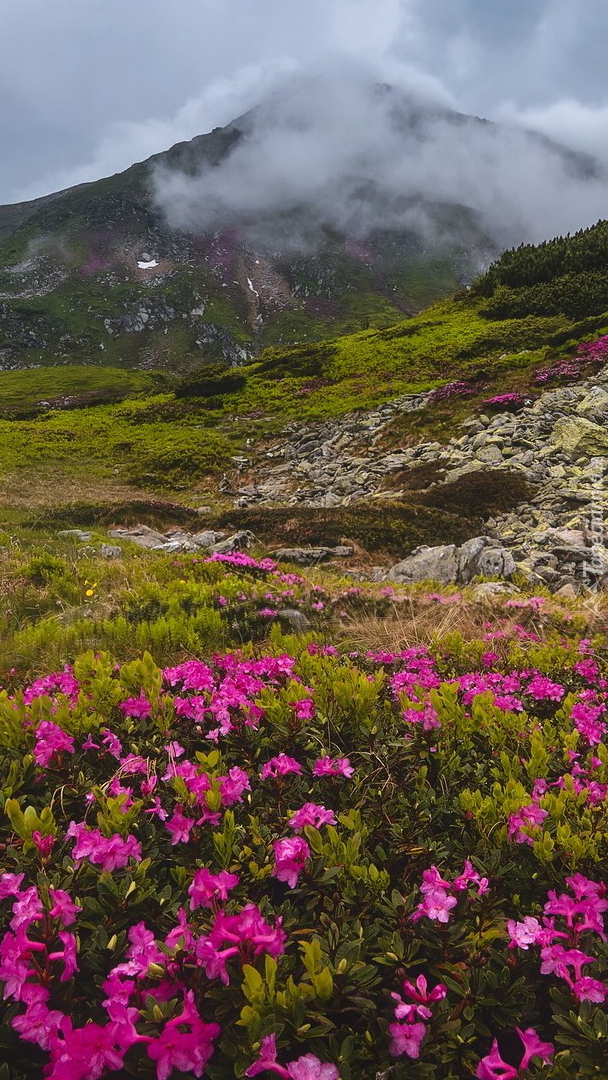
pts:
[309, 1067]
[290, 856]
[406, 1039]
[50, 740]
[542, 689]
[85, 1053]
[523, 934]
[63, 907]
[111, 853]
[207, 887]
[588, 989]
[233, 786]
[179, 826]
[524, 820]
[280, 765]
[327, 766]
[10, 885]
[469, 876]
[187, 1051]
[38, 1024]
[426, 716]
[533, 1047]
[436, 906]
[67, 954]
[311, 814]
[138, 707]
[143, 949]
[489, 1065]
[304, 709]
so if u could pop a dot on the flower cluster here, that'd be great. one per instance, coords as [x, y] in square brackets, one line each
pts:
[581, 912]
[441, 896]
[412, 1015]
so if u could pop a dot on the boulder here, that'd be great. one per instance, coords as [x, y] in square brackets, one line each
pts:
[493, 590]
[142, 535]
[205, 539]
[239, 541]
[110, 551]
[310, 556]
[77, 535]
[427, 564]
[578, 436]
[594, 405]
[451, 565]
[297, 620]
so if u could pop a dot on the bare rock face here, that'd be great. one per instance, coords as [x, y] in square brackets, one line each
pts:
[428, 564]
[451, 565]
[577, 435]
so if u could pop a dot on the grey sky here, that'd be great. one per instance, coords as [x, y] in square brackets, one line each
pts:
[89, 86]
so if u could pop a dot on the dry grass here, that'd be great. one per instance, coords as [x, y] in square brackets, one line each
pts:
[416, 620]
[52, 487]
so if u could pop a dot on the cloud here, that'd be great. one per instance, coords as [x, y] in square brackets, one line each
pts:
[89, 87]
[339, 151]
[125, 142]
[583, 127]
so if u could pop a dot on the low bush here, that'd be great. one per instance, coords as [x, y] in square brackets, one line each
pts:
[290, 860]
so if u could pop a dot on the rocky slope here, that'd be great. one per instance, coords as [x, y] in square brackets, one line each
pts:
[557, 445]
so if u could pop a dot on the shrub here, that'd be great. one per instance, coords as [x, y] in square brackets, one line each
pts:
[309, 863]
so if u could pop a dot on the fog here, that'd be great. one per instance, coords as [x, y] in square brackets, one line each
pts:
[344, 151]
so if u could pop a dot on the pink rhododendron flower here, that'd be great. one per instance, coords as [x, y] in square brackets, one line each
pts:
[10, 885]
[307, 1067]
[207, 887]
[290, 856]
[529, 817]
[280, 765]
[85, 1053]
[138, 707]
[588, 989]
[38, 1024]
[179, 826]
[406, 1039]
[523, 934]
[327, 766]
[233, 786]
[311, 814]
[188, 1051]
[50, 740]
[110, 853]
[437, 905]
[492, 1067]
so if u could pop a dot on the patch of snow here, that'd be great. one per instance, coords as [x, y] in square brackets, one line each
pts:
[147, 265]
[254, 291]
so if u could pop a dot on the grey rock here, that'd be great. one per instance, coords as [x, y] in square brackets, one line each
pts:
[110, 551]
[239, 541]
[576, 436]
[493, 590]
[427, 564]
[75, 534]
[296, 619]
[310, 556]
[205, 539]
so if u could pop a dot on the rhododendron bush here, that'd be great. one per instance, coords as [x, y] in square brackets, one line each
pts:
[292, 861]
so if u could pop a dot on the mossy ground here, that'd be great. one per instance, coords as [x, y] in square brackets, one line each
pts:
[157, 440]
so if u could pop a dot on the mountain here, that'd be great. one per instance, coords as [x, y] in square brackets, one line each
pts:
[324, 211]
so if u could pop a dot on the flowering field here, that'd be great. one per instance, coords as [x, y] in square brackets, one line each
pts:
[300, 859]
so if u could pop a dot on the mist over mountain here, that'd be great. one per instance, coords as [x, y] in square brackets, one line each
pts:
[337, 204]
[342, 152]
